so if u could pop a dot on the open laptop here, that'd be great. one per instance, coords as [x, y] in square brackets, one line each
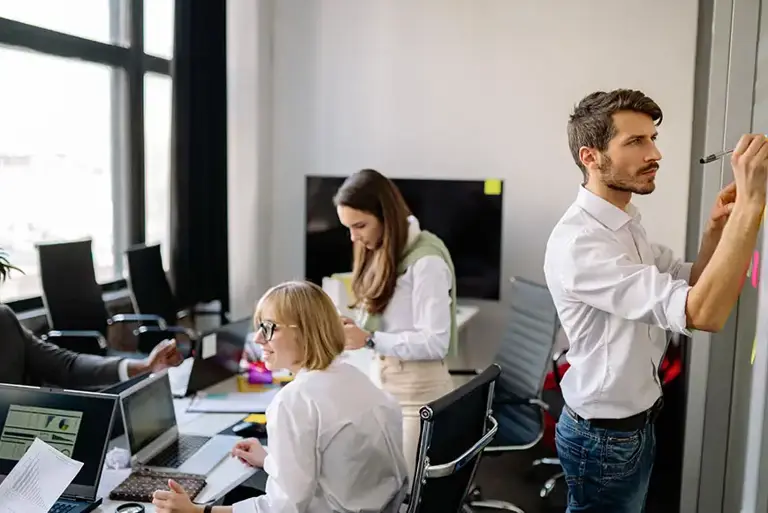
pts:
[153, 436]
[76, 423]
[217, 356]
[118, 428]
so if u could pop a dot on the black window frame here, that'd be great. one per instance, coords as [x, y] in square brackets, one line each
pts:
[127, 117]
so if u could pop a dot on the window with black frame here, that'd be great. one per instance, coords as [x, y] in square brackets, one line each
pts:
[85, 131]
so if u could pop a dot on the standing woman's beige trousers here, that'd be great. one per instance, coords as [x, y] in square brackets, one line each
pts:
[413, 383]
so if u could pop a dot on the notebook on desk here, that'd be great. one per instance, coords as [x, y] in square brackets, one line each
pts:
[75, 423]
[142, 483]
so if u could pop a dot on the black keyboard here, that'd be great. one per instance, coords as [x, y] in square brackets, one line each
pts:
[178, 452]
[63, 507]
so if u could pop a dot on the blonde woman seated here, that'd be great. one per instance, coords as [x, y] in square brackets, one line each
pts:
[335, 439]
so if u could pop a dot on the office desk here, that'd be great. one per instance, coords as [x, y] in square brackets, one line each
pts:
[230, 473]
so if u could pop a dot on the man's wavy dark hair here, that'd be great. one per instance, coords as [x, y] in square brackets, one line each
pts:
[6, 267]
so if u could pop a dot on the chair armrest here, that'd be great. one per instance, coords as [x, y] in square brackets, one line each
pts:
[167, 329]
[509, 400]
[185, 349]
[446, 469]
[77, 334]
[120, 318]
[555, 369]
[463, 372]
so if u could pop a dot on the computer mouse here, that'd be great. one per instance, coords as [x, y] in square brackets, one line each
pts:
[250, 430]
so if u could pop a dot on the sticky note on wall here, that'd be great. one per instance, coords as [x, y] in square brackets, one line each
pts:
[492, 187]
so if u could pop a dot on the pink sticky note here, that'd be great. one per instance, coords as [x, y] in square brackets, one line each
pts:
[755, 268]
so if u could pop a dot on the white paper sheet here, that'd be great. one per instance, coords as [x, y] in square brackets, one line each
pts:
[37, 480]
[250, 402]
[209, 346]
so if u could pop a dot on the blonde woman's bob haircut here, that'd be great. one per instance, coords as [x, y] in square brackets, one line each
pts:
[308, 308]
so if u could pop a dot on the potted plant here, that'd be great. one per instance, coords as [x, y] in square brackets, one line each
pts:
[6, 267]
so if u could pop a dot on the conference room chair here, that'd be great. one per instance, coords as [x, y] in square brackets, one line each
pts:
[151, 292]
[524, 359]
[556, 403]
[78, 318]
[455, 429]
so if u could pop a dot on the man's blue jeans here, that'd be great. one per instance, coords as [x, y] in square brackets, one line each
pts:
[606, 471]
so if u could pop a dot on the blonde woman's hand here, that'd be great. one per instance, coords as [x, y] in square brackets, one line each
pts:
[250, 451]
[173, 500]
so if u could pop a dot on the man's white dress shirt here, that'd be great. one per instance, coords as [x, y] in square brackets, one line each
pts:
[416, 325]
[616, 295]
[335, 446]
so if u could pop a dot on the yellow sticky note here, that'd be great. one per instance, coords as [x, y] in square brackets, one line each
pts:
[492, 187]
[256, 418]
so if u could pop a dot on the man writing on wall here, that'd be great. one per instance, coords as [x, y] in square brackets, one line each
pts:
[617, 294]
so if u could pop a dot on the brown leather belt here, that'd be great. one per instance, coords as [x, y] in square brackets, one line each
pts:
[633, 423]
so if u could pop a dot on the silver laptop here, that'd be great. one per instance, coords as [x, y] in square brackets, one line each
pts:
[153, 436]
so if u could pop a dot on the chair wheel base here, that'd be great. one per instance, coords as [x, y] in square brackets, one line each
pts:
[550, 484]
[498, 505]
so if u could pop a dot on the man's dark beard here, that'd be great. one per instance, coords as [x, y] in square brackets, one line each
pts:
[619, 185]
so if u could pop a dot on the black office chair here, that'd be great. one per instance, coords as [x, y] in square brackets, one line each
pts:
[524, 358]
[77, 316]
[556, 403]
[454, 431]
[151, 292]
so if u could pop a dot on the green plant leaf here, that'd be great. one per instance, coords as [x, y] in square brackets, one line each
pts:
[6, 267]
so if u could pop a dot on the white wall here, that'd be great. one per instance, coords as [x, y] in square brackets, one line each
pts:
[469, 89]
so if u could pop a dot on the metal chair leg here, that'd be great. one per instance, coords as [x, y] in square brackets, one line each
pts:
[549, 485]
[545, 461]
[494, 504]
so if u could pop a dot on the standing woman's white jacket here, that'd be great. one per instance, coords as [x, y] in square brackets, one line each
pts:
[413, 340]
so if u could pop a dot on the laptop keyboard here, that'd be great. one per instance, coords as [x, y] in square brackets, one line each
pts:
[62, 507]
[177, 453]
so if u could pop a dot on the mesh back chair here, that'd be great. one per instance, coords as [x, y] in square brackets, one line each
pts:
[151, 292]
[524, 358]
[77, 316]
[454, 431]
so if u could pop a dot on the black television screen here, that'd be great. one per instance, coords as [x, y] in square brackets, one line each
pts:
[465, 214]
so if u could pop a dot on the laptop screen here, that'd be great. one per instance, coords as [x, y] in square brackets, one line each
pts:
[117, 389]
[75, 423]
[227, 344]
[148, 411]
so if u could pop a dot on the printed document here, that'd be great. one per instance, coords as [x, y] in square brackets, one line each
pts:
[37, 480]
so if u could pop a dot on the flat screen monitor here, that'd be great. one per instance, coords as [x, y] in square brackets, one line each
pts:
[465, 214]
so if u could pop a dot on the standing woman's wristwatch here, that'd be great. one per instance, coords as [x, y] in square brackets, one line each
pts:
[369, 342]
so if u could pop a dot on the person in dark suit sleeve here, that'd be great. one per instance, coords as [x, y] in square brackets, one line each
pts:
[28, 360]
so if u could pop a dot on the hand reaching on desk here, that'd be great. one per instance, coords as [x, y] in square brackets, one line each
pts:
[174, 500]
[251, 452]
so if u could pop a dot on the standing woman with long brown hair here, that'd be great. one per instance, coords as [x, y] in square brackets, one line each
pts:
[404, 285]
